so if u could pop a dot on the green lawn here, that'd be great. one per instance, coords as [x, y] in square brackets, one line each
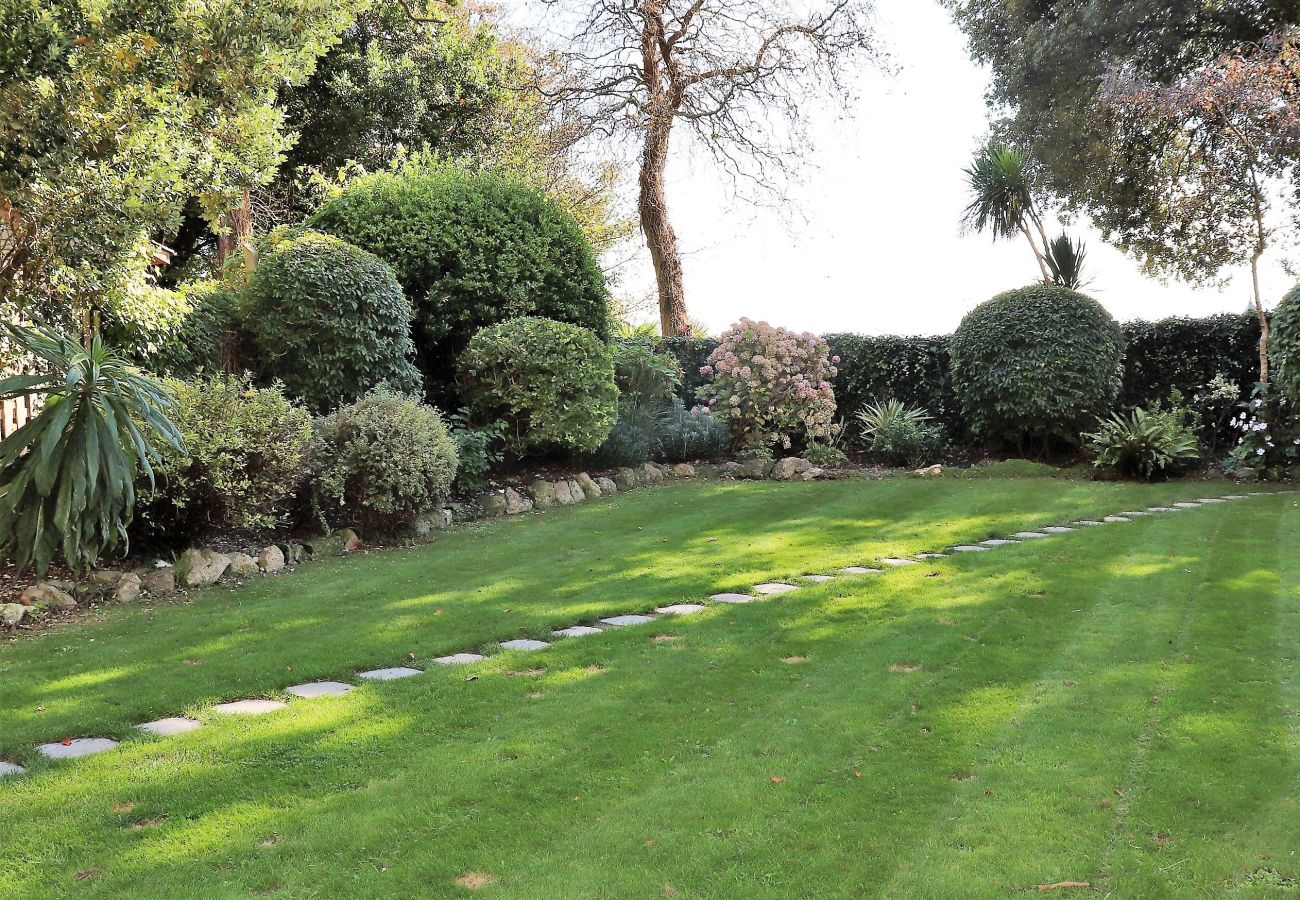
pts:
[1119, 705]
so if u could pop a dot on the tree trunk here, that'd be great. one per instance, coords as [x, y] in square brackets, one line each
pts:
[659, 235]
[237, 234]
[1264, 329]
[1038, 256]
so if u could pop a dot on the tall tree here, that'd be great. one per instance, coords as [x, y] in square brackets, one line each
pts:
[737, 74]
[1002, 201]
[1229, 134]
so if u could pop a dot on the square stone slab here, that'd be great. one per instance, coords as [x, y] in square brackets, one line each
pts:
[679, 609]
[460, 659]
[860, 570]
[392, 674]
[8, 768]
[932, 556]
[170, 726]
[731, 598]
[969, 548]
[524, 644]
[818, 579]
[1086, 523]
[78, 747]
[896, 562]
[1186, 505]
[1160, 509]
[624, 621]
[773, 588]
[249, 707]
[1058, 529]
[577, 631]
[998, 542]
[1210, 500]
[1235, 497]
[1115, 519]
[315, 689]
[1031, 535]
[1133, 514]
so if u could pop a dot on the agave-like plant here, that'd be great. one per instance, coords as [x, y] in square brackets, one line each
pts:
[67, 477]
[877, 417]
[1066, 258]
[1143, 444]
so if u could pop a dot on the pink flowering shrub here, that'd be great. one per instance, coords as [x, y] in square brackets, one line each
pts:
[771, 386]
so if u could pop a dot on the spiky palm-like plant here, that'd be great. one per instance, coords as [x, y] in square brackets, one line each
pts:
[1002, 201]
[1065, 258]
[67, 477]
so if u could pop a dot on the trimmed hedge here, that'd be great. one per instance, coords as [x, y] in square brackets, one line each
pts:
[914, 370]
[1186, 354]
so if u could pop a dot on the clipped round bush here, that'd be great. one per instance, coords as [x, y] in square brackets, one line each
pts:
[382, 462]
[244, 458]
[550, 382]
[1036, 366]
[1284, 344]
[330, 321]
[471, 250]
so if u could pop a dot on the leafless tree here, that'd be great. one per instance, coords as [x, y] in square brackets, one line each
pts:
[737, 75]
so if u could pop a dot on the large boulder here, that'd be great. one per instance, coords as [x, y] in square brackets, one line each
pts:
[270, 559]
[128, 588]
[294, 553]
[493, 504]
[11, 614]
[626, 479]
[754, 469]
[160, 581]
[651, 474]
[684, 470]
[563, 495]
[576, 491]
[790, 468]
[47, 595]
[243, 566]
[517, 503]
[543, 494]
[105, 577]
[607, 486]
[589, 486]
[708, 470]
[201, 567]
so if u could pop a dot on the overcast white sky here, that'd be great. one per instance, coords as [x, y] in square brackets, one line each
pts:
[871, 243]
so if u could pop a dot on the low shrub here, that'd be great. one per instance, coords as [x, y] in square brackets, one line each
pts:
[771, 386]
[627, 444]
[901, 435]
[330, 321]
[914, 370]
[1186, 354]
[206, 340]
[1268, 442]
[1017, 468]
[1036, 366]
[1284, 345]
[825, 456]
[688, 434]
[644, 374]
[382, 462]
[551, 383]
[244, 459]
[479, 450]
[1143, 444]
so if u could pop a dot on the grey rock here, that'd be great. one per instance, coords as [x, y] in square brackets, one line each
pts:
[626, 480]
[563, 493]
[243, 566]
[576, 631]
[270, 559]
[524, 644]
[589, 486]
[106, 577]
[543, 493]
[818, 579]
[460, 659]
[680, 609]
[294, 553]
[997, 542]
[576, 491]
[201, 567]
[8, 768]
[390, 674]
[516, 503]
[860, 570]
[46, 594]
[898, 562]
[651, 474]
[159, 581]
[755, 469]
[731, 598]
[1029, 535]
[683, 470]
[11, 614]
[128, 588]
[969, 548]
[813, 474]
[774, 588]
[708, 470]
[790, 468]
[494, 505]
[314, 689]
[607, 486]
[626, 621]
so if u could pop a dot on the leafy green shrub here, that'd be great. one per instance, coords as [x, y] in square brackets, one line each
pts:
[382, 462]
[330, 321]
[244, 459]
[1268, 446]
[687, 434]
[471, 250]
[627, 444]
[550, 382]
[643, 373]
[478, 449]
[1143, 444]
[1284, 344]
[1186, 355]
[915, 370]
[67, 477]
[901, 434]
[825, 456]
[207, 337]
[1036, 365]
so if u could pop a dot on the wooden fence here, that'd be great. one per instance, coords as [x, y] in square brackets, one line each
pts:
[14, 414]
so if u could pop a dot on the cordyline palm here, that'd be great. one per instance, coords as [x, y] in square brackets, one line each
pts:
[67, 477]
[1002, 201]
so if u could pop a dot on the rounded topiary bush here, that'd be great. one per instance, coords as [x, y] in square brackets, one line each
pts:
[551, 383]
[1284, 344]
[1036, 365]
[471, 250]
[329, 320]
[382, 462]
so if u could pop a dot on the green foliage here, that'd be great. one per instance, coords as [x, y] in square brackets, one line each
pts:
[1268, 443]
[203, 338]
[692, 355]
[1036, 365]
[1002, 201]
[915, 370]
[901, 434]
[470, 250]
[1284, 345]
[685, 434]
[382, 462]
[1065, 259]
[330, 321]
[479, 450]
[825, 456]
[1186, 355]
[643, 373]
[1143, 444]
[67, 477]
[628, 443]
[1015, 468]
[244, 459]
[551, 383]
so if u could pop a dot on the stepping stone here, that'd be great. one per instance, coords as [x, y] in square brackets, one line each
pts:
[1058, 529]
[391, 674]
[680, 609]
[249, 707]
[932, 556]
[731, 598]
[1030, 535]
[170, 726]
[1087, 523]
[897, 562]
[313, 689]
[1161, 509]
[860, 570]
[1186, 505]
[76, 748]
[969, 548]
[1235, 497]
[524, 644]
[8, 768]
[1115, 519]
[818, 579]
[577, 631]
[773, 588]
[1133, 514]
[1210, 500]
[625, 621]
[998, 542]
[460, 659]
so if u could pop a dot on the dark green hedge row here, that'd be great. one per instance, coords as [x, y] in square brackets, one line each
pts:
[1180, 353]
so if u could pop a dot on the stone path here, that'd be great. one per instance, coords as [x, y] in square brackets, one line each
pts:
[73, 748]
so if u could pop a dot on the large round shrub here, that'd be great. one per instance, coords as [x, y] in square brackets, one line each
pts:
[1284, 344]
[330, 321]
[1036, 365]
[243, 461]
[382, 462]
[471, 250]
[550, 382]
